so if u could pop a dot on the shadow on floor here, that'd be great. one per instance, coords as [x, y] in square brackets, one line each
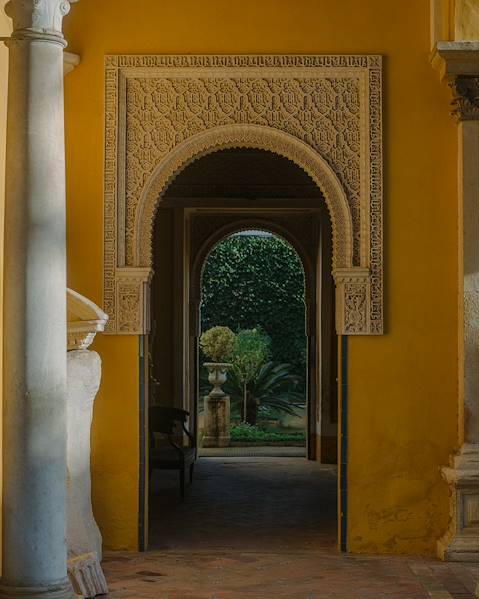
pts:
[250, 504]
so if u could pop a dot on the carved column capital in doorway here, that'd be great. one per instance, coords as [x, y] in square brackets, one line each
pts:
[466, 97]
[38, 19]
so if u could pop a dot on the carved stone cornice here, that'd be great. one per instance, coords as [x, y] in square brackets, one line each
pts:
[38, 19]
[466, 98]
[458, 63]
[453, 59]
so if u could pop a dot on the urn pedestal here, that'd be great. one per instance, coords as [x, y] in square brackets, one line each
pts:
[217, 408]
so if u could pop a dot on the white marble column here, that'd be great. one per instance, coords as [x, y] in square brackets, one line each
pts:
[34, 378]
[461, 541]
[459, 62]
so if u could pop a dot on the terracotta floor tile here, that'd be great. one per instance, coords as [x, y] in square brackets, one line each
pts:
[264, 528]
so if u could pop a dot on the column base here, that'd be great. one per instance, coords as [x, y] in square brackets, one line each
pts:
[61, 591]
[459, 549]
[461, 541]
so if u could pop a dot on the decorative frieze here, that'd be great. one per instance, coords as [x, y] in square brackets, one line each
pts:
[132, 300]
[162, 112]
[353, 286]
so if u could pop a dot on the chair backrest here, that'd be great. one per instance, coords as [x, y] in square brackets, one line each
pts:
[163, 420]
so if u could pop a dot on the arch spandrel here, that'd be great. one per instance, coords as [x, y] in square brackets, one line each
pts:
[145, 152]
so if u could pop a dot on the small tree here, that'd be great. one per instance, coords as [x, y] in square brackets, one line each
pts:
[252, 349]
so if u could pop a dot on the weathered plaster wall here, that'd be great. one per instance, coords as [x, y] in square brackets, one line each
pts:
[403, 386]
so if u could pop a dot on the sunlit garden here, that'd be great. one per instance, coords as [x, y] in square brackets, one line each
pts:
[253, 343]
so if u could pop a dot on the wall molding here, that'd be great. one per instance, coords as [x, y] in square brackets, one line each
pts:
[321, 112]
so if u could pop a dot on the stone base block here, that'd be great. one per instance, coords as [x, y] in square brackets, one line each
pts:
[217, 421]
[62, 590]
[459, 549]
[86, 576]
[220, 441]
[461, 541]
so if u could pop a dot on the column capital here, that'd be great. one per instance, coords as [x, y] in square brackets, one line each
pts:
[466, 97]
[38, 19]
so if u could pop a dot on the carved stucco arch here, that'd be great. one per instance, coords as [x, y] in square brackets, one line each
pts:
[254, 137]
[321, 112]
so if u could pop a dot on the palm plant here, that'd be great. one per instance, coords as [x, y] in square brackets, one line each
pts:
[275, 387]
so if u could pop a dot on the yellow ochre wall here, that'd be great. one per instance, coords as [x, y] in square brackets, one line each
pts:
[403, 386]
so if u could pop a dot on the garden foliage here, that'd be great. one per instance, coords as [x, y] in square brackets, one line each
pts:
[250, 281]
[274, 388]
[218, 343]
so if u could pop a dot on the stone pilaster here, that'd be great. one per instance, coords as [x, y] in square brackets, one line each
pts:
[34, 381]
[460, 64]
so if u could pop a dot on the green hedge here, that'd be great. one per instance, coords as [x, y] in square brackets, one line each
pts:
[250, 281]
[245, 433]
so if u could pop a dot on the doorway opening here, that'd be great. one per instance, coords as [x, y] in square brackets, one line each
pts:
[253, 284]
[232, 196]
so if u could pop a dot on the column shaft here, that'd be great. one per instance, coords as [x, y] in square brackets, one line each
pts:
[34, 379]
[469, 190]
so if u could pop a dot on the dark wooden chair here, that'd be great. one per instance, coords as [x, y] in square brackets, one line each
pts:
[169, 422]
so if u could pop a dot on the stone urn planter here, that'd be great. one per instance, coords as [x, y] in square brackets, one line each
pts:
[217, 343]
[217, 375]
[217, 407]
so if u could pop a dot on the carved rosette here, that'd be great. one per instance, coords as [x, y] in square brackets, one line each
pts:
[353, 286]
[38, 19]
[466, 98]
[163, 112]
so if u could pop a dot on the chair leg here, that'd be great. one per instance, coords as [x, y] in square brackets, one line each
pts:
[192, 468]
[182, 483]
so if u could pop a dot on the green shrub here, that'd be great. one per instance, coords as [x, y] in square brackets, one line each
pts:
[218, 343]
[245, 432]
[276, 387]
[250, 281]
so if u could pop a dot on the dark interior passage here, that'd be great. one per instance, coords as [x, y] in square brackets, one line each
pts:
[250, 504]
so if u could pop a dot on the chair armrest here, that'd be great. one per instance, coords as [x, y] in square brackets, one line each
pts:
[177, 448]
[191, 437]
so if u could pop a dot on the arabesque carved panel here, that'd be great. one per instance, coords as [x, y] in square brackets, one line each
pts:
[157, 105]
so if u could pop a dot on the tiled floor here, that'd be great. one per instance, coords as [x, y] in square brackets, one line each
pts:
[264, 528]
[246, 503]
[313, 575]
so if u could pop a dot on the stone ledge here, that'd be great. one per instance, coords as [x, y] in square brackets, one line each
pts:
[456, 58]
